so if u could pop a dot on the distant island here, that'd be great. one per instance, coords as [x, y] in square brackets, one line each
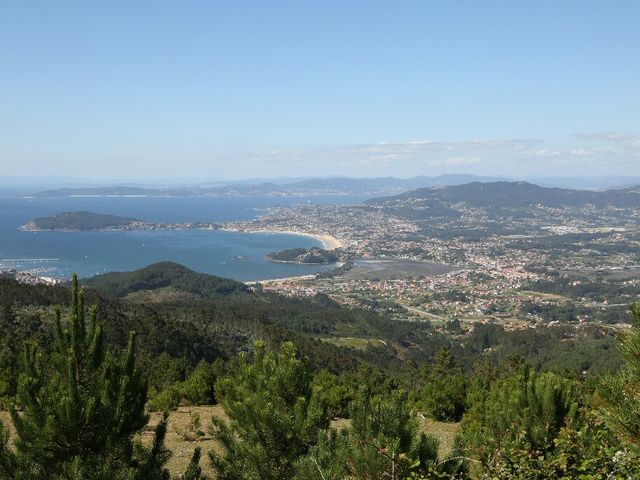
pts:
[315, 255]
[89, 221]
[80, 221]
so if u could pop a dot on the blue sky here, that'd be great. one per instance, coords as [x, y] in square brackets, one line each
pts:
[362, 88]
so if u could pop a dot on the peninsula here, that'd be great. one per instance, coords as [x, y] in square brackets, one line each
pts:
[315, 255]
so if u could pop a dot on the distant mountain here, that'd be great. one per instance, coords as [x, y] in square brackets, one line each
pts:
[379, 186]
[587, 183]
[501, 199]
[515, 194]
[382, 184]
[314, 186]
[263, 188]
[165, 275]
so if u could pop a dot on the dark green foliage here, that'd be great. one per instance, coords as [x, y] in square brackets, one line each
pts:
[8, 371]
[274, 416]
[382, 442]
[305, 255]
[526, 425]
[194, 471]
[150, 461]
[164, 370]
[165, 274]
[194, 328]
[196, 389]
[588, 451]
[78, 417]
[519, 424]
[441, 388]
[561, 349]
[334, 392]
[523, 412]
[622, 391]
[8, 467]
[12, 293]
[80, 221]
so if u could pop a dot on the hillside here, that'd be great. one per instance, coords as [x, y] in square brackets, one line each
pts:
[513, 194]
[165, 275]
[209, 317]
[187, 351]
[506, 200]
[79, 221]
[359, 185]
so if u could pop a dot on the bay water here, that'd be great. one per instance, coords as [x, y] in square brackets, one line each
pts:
[241, 256]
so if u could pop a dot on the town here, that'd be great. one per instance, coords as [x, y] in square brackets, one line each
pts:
[551, 266]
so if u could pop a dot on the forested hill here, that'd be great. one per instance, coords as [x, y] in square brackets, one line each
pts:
[498, 199]
[192, 315]
[165, 275]
[510, 194]
[79, 221]
[380, 184]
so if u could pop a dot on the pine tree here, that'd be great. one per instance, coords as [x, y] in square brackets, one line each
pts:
[521, 416]
[274, 416]
[7, 354]
[381, 442]
[443, 394]
[623, 391]
[194, 471]
[81, 409]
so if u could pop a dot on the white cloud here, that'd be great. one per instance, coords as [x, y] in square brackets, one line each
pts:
[587, 154]
[623, 140]
[608, 153]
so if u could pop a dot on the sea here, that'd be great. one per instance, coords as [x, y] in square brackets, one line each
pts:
[240, 256]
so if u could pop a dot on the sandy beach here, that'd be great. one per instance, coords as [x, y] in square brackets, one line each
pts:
[272, 281]
[329, 242]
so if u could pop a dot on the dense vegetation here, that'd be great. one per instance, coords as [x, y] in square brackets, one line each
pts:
[532, 404]
[500, 198]
[165, 275]
[80, 409]
[313, 255]
[80, 221]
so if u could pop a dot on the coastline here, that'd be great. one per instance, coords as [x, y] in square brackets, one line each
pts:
[269, 281]
[329, 242]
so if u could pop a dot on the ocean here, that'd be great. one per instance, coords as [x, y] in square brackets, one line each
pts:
[240, 256]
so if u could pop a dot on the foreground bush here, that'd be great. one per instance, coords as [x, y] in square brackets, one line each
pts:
[274, 416]
[382, 442]
[80, 411]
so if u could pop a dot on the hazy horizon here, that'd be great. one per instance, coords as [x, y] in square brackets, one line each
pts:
[31, 185]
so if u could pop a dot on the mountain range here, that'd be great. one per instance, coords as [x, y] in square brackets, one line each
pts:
[372, 187]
